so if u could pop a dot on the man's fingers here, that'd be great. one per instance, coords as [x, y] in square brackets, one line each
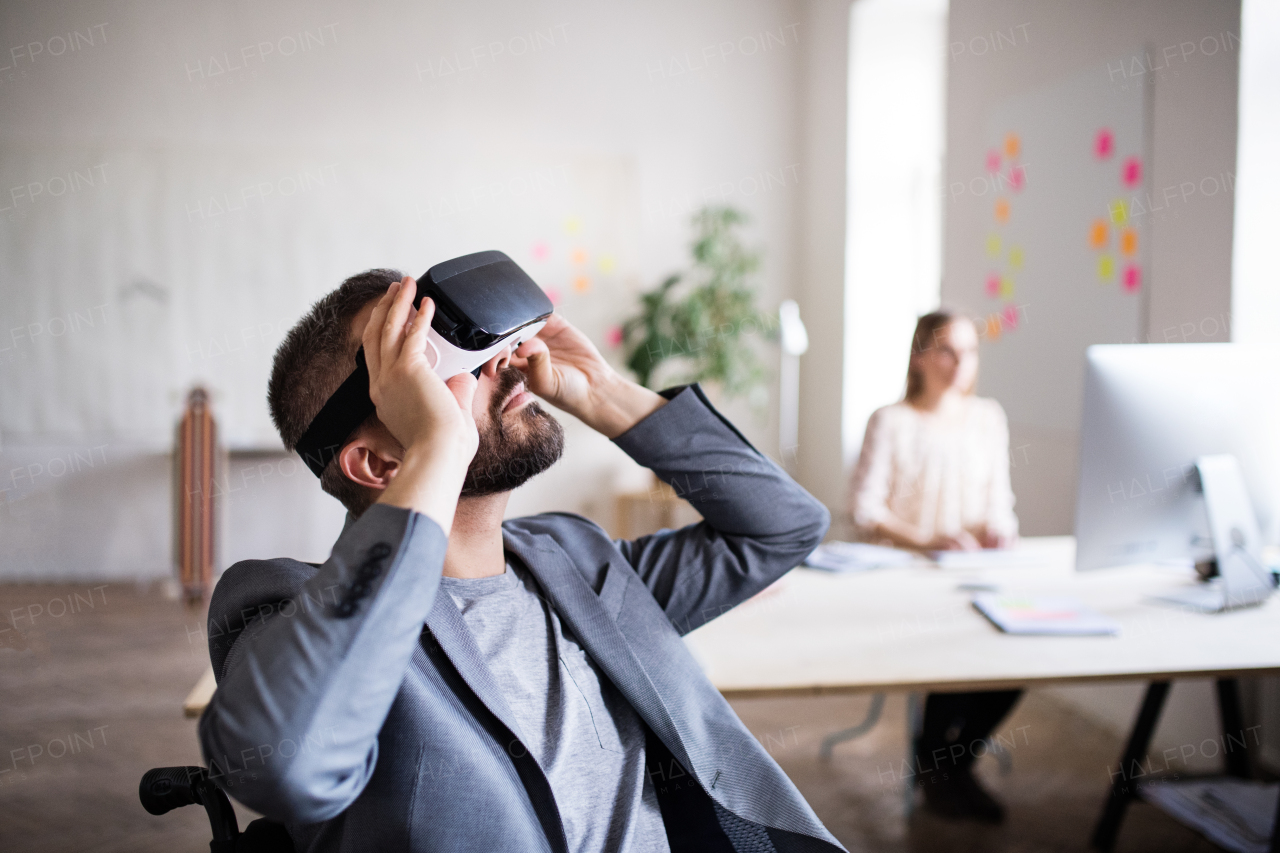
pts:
[463, 387]
[397, 316]
[555, 325]
[372, 337]
[416, 341]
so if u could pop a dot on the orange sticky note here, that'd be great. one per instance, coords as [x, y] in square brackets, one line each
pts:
[1002, 210]
[578, 256]
[1099, 234]
[582, 284]
[1128, 241]
[1012, 145]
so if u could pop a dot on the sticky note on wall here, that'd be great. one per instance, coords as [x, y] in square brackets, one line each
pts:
[1106, 268]
[1099, 234]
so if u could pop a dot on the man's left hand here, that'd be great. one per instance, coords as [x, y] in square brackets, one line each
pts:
[563, 367]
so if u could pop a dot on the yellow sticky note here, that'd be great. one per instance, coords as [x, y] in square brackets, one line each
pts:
[1106, 267]
[993, 245]
[572, 225]
[1015, 257]
[1006, 287]
[1119, 212]
[606, 263]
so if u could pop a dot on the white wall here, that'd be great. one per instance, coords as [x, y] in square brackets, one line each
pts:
[650, 110]
[1255, 287]
[821, 239]
[896, 143]
[1194, 137]
[1189, 51]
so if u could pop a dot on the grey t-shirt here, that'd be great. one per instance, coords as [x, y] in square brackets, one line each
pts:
[586, 737]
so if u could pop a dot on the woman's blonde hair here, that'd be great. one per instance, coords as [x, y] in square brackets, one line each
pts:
[925, 337]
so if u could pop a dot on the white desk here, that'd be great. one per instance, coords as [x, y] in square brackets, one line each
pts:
[910, 628]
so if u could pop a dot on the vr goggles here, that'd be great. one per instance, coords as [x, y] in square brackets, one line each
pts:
[484, 302]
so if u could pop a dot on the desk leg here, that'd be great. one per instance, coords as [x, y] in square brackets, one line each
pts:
[1123, 788]
[1275, 831]
[1234, 758]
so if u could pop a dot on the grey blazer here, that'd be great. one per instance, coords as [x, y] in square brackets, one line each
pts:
[354, 705]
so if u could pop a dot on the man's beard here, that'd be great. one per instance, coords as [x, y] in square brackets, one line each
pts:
[512, 452]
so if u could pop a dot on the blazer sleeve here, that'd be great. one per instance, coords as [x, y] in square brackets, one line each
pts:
[757, 523]
[307, 682]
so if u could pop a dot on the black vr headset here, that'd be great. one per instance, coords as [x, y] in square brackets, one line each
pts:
[484, 302]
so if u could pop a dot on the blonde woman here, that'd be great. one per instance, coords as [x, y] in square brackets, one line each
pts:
[934, 475]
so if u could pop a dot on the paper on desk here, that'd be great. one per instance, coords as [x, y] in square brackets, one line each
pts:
[986, 558]
[1233, 813]
[855, 557]
[1038, 614]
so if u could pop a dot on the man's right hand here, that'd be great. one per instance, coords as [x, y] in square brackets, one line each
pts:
[430, 418]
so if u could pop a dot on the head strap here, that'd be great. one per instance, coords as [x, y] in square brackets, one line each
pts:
[334, 423]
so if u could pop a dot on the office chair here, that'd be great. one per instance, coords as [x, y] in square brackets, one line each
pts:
[164, 789]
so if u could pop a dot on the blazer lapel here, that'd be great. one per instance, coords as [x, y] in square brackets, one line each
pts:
[456, 641]
[593, 626]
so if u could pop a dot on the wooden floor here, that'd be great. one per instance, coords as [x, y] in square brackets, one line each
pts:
[92, 681]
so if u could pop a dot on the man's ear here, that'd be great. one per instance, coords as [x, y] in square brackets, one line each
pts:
[371, 458]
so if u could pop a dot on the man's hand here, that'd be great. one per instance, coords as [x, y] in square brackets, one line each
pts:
[563, 367]
[431, 419]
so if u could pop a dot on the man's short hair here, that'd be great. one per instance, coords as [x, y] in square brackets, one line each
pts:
[314, 359]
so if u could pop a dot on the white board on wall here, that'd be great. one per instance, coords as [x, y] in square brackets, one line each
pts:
[1061, 260]
[128, 275]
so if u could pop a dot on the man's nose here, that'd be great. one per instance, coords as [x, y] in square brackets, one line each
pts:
[498, 363]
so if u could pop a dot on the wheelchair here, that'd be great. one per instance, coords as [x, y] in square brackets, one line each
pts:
[164, 789]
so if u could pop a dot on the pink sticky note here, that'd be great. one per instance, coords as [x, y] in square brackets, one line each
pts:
[1103, 144]
[1017, 177]
[1131, 281]
[540, 251]
[553, 294]
[1010, 317]
[613, 336]
[993, 285]
[1131, 171]
[993, 161]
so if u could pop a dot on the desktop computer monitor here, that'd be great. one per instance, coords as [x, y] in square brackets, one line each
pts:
[1150, 412]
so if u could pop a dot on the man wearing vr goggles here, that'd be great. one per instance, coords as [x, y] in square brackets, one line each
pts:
[448, 681]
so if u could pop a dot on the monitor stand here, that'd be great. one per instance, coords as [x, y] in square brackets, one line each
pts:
[1242, 579]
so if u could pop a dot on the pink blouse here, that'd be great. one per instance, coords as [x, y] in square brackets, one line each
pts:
[943, 476]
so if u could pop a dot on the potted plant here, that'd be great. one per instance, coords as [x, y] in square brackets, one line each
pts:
[698, 325]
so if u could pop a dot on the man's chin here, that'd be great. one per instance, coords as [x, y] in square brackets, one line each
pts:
[529, 442]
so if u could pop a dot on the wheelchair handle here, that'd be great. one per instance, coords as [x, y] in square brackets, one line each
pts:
[164, 789]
